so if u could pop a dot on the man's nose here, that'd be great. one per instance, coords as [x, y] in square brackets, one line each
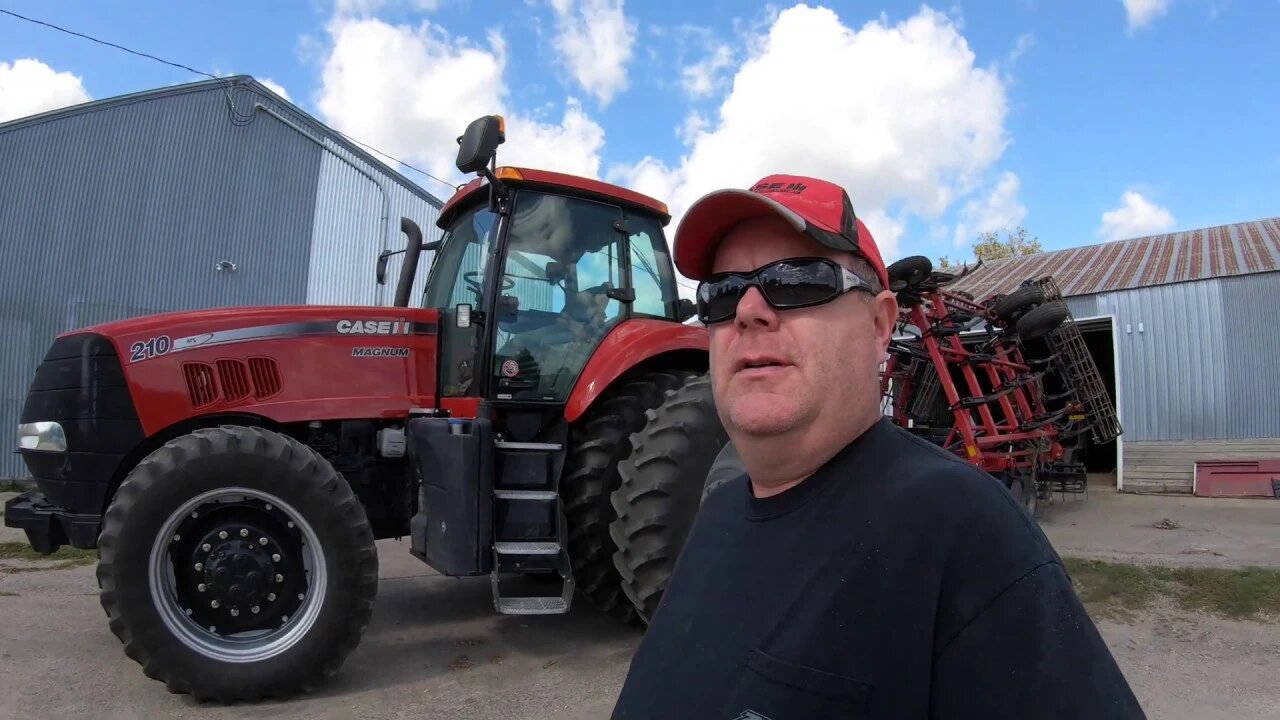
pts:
[755, 311]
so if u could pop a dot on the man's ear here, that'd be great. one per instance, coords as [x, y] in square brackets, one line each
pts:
[886, 316]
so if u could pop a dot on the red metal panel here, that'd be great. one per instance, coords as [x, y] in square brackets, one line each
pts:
[1237, 478]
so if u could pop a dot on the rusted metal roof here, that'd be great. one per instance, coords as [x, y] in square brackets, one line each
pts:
[1237, 249]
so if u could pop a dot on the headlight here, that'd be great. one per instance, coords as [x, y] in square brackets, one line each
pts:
[42, 436]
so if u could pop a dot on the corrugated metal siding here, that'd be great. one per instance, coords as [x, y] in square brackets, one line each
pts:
[1221, 251]
[126, 208]
[1201, 367]
[1253, 356]
[357, 217]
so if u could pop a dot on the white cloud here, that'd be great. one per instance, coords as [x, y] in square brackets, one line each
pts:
[996, 211]
[1023, 43]
[1135, 217]
[898, 114]
[275, 87]
[29, 87]
[410, 91]
[707, 76]
[1140, 13]
[594, 39]
[368, 7]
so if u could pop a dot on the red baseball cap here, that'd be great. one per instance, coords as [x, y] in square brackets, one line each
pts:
[818, 208]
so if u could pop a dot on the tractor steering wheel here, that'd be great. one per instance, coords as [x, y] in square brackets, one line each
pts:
[474, 285]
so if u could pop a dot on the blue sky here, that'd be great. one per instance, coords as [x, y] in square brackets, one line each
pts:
[942, 120]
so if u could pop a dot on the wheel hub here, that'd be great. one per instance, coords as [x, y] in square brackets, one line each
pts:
[239, 568]
[237, 573]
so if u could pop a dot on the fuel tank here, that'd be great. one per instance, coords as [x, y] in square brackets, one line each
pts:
[288, 363]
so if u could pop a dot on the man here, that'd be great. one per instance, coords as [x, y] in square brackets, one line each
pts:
[854, 570]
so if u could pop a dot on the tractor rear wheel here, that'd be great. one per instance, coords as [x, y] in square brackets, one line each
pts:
[235, 563]
[599, 441]
[663, 483]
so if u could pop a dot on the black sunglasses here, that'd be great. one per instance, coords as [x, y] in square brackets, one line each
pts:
[785, 284]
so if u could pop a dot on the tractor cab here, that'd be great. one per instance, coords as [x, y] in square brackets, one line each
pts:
[534, 273]
[557, 304]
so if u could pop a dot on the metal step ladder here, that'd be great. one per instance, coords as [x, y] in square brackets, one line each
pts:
[1080, 372]
[530, 532]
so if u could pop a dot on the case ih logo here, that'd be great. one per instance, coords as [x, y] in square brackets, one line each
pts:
[374, 327]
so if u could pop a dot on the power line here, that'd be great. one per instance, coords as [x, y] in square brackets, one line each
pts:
[104, 42]
[214, 77]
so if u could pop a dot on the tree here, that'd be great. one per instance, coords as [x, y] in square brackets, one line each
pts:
[991, 247]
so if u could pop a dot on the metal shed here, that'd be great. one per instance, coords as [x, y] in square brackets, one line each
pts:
[214, 193]
[1177, 323]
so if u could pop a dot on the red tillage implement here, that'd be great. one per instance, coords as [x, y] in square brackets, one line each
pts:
[971, 376]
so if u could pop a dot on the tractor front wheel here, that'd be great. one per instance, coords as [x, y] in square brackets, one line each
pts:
[235, 564]
[663, 482]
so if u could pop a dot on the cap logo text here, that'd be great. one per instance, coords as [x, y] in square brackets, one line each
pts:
[792, 187]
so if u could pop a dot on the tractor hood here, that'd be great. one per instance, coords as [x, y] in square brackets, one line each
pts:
[288, 363]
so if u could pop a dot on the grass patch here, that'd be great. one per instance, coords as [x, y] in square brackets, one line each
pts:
[12, 485]
[1117, 590]
[23, 551]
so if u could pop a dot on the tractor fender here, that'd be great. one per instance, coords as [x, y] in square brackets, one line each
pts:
[629, 344]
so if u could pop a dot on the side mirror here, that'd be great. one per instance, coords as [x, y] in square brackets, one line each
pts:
[385, 255]
[478, 144]
[626, 295]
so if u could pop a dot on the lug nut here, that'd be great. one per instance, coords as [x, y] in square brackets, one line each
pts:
[268, 506]
[244, 533]
[206, 547]
[290, 523]
[195, 514]
[284, 618]
[275, 557]
[213, 628]
[213, 604]
[235, 612]
[199, 567]
[188, 611]
[262, 541]
[200, 587]
[176, 537]
[279, 578]
[254, 609]
[223, 534]
[271, 596]
[301, 596]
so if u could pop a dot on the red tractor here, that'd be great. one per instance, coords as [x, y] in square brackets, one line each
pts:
[542, 411]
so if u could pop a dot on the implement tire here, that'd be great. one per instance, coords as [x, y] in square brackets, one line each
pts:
[182, 550]
[1042, 320]
[662, 488]
[1010, 307]
[599, 440]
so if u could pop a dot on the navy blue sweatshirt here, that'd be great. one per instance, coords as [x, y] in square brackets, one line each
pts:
[896, 582]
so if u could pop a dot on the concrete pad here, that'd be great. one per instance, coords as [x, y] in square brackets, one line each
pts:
[1213, 532]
